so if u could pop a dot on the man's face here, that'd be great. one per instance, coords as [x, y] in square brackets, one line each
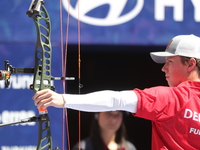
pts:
[175, 71]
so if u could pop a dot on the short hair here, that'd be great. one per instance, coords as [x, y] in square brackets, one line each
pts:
[184, 60]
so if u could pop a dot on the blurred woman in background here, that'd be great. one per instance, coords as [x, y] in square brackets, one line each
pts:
[108, 132]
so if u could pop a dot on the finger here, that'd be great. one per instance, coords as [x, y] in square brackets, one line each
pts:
[41, 103]
[42, 92]
[37, 100]
[46, 102]
[40, 96]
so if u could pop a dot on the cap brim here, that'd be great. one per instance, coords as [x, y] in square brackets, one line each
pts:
[159, 57]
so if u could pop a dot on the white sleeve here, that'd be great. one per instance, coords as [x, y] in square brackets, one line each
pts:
[103, 101]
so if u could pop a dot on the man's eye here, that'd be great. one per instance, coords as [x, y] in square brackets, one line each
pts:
[169, 61]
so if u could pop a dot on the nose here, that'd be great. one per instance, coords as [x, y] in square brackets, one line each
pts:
[164, 68]
[114, 119]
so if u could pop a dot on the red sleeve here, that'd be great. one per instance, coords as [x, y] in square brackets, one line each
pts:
[160, 103]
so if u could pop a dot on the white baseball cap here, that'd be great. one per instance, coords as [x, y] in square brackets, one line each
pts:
[182, 45]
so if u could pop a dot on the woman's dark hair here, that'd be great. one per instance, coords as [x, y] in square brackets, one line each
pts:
[97, 141]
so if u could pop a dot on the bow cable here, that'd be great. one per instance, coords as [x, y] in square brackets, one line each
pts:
[79, 73]
[64, 64]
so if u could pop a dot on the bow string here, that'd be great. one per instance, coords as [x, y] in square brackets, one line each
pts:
[64, 64]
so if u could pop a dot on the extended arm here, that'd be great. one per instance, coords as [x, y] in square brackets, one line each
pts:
[92, 102]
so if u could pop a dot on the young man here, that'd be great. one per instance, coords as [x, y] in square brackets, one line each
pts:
[174, 110]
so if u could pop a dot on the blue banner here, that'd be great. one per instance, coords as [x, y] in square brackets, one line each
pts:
[129, 22]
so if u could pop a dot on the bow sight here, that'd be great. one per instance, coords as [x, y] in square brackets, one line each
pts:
[6, 74]
[9, 70]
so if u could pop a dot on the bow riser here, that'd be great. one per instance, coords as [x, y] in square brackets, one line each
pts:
[42, 68]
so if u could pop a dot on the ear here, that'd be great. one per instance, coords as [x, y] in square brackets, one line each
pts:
[191, 64]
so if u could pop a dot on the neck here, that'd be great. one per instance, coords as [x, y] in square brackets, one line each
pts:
[193, 76]
[108, 137]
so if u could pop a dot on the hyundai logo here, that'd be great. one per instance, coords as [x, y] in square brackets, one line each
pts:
[104, 12]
